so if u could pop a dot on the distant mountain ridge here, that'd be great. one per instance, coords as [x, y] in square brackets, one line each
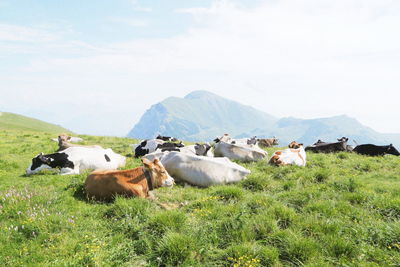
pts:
[11, 121]
[201, 116]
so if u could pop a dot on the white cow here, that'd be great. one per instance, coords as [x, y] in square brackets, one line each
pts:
[202, 171]
[74, 159]
[241, 141]
[294, 155]
[245, 153]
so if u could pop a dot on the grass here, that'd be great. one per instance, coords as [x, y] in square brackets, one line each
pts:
[11, 121]
[340, 210]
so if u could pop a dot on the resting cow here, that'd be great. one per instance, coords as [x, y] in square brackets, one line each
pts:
[197, 149]
[323, 147]
[268, 142]
[203, 171]
[245, 153]
[294, 155]
[105, 185]
[374, 150]
[150, 146]
[63, 143]
[242, 141]
[74, 159]
[245, 141]
[166, 138]
[225, 138]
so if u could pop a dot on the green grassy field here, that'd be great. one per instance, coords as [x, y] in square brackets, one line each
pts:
[340, 210]
[11, 121]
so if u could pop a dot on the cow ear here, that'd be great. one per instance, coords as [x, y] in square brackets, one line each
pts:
[147, 163]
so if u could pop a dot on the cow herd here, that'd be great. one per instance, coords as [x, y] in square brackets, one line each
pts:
[167, 159]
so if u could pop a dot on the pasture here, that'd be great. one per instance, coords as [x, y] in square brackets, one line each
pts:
[341, 209]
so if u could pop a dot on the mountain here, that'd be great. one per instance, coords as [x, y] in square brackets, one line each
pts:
[201, 115]
[18, 122]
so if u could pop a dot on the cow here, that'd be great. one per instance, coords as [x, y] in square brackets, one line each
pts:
[294, 155]
[149, 146]
[242, 141]
[197, 149]
[244, 153]
[138, 182]
[75, 159]
[225, 138]
[63, 143]
[323, 147]
[245, 141]
[374, 150]
[71, 139]
[203, 171]
[166, 138]
[268, 142]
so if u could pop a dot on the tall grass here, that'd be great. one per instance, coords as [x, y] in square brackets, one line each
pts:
[341, 209]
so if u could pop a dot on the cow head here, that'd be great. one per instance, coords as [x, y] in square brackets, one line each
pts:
[202, 149]
[159, 174]
[392, 150]
[40, 162]
[294, 145]
[225, 138]
[275, 141]
[343, 139]
[63, 138]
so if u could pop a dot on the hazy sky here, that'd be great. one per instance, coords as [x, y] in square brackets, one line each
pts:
[96, 66]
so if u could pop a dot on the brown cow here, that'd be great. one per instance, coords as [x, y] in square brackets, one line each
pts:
[268, 142]
[294, 155]
[105, 185]
[63, 143]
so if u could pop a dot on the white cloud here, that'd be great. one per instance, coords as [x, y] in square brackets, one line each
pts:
[290, 58]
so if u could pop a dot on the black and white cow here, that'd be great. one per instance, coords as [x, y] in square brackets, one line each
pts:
[197, 149]
[150, 146]
[74, 159]
[374, 150]
[166, 138]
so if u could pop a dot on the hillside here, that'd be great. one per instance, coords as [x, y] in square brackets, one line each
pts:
[19, 122]
[201, 115]
[340, 210]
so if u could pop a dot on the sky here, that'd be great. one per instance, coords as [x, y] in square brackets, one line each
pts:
[96, 66]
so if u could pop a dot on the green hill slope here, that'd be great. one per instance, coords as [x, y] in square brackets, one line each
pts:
[11, 121]
[340, 210]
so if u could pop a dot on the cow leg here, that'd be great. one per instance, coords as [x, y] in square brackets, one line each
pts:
[135, 190]
[66, 171]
